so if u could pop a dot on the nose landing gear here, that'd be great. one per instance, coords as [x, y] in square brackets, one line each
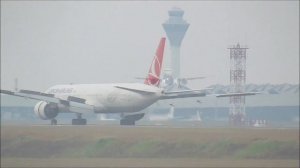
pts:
[53, 122]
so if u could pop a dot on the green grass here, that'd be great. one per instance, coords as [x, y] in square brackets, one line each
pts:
[270, 150]
[144, 148]
[113, 147]
[104, 147]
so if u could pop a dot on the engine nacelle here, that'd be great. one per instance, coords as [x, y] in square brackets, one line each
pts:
[167, 81]
[182, 82]
[46, 111]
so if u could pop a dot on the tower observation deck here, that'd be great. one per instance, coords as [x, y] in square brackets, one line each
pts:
[175, 28]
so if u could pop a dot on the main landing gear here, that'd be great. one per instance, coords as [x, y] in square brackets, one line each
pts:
[130, 119]
[79, 120]
[127, 122]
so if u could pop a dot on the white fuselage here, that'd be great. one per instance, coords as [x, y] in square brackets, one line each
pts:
[108, 98]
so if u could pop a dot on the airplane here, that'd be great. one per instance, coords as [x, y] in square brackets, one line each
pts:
[128, 99]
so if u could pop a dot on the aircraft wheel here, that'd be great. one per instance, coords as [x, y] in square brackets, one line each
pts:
[127, 122]
[79, 121]
[53, 122]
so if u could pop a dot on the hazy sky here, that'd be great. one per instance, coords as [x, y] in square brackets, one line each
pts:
[61, 42]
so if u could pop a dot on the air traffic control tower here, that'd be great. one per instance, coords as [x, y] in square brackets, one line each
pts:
[175, 28]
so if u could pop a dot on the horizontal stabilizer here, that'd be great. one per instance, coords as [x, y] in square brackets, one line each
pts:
[7, 92]
[185, 91]
[194, 78]
[137, 87]
[184, 94]
[237, 94]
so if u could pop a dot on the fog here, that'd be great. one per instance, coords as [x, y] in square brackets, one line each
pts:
[60, 42]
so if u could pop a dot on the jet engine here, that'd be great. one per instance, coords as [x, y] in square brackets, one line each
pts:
[182, 82]
[46, 110]
[167, 81]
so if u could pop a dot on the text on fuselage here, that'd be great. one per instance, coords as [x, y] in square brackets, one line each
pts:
[61, 90]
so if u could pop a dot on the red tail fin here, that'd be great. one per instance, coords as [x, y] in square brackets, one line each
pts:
[153, 77]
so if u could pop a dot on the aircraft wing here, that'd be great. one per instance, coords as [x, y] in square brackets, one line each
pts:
[201, 93]
[184, 94]
[72, 102]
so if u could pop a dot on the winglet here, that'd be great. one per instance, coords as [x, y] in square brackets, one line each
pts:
[153, 77]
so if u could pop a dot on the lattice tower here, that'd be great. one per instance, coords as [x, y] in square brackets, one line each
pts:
[237, 84]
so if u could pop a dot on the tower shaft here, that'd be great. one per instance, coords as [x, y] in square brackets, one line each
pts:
[175, 61]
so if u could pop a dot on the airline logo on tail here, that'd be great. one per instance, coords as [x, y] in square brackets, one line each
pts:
[153, 77]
